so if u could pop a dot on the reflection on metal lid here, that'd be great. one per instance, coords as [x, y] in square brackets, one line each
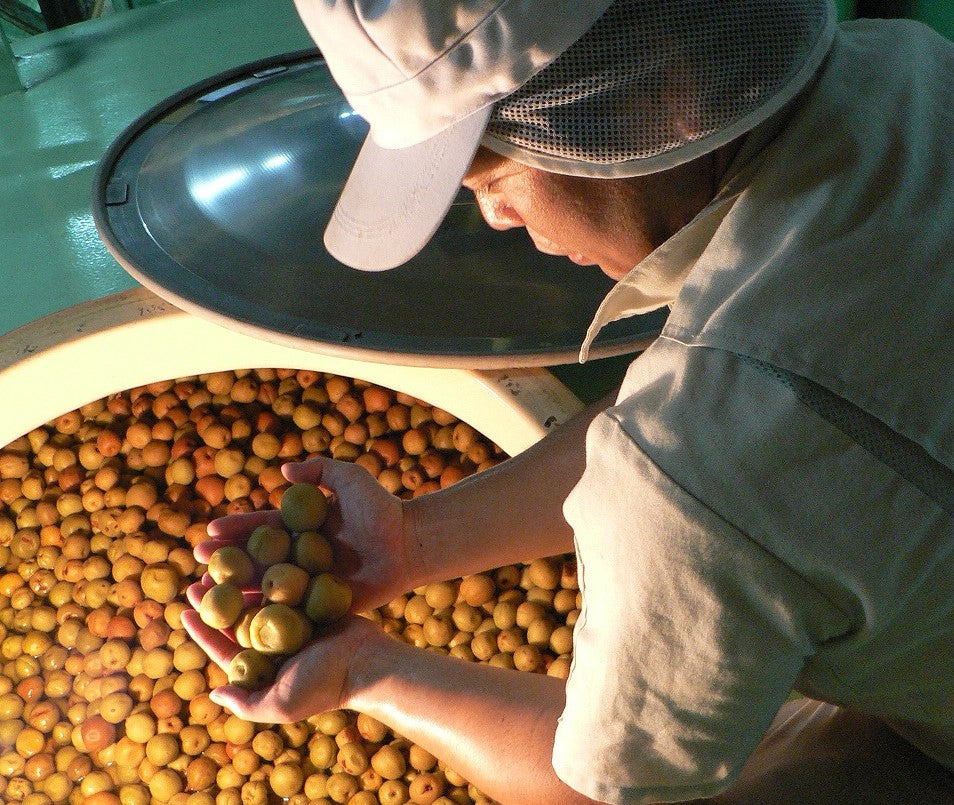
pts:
[217, 201]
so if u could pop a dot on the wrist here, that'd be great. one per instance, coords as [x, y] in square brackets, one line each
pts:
[416, 556]
[374, 657]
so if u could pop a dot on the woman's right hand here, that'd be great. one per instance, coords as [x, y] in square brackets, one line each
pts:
[311, 681]
[365, 525]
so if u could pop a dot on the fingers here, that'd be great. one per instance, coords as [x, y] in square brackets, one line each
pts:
[239, 526]
[308, 682]
[310, 471]
[233, 530]
[296, 693]
[234, 698]
[251, 594]
[204, 550]
[252, 705]
[194, 592]
[335, 478]
[218, 646]
[325, 472]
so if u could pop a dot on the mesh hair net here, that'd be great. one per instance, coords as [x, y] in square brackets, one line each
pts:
[655, 83]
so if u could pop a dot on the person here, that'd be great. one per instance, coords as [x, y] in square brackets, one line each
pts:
[766, 505]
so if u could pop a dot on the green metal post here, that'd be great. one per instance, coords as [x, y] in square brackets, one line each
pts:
[9, 75]
[846, 9]
[939, 14]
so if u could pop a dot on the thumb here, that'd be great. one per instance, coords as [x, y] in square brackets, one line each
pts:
[310, 471]
[238, 701]
[326, 472]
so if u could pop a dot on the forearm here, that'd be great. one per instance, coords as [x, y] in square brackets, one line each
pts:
[506, 514]
[493, 726]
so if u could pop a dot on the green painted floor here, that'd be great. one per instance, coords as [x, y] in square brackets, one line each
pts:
[84, 85]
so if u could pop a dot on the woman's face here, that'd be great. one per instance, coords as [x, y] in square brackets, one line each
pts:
[611, 223]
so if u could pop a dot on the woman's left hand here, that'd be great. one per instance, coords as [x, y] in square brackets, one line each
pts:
[312, 681]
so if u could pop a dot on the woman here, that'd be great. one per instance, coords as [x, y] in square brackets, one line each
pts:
[767, 504]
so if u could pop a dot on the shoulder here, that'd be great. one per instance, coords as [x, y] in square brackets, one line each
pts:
[835, 261]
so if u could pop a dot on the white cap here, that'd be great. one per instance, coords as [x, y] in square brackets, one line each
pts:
[424, 74]
[605, 88]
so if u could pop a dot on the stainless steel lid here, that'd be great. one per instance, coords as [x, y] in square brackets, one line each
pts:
[217, 200]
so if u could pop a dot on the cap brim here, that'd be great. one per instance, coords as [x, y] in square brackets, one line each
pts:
[395, 198]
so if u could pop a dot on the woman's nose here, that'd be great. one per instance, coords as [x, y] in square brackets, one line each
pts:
[497, 212]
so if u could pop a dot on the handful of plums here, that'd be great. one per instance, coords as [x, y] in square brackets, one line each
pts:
[291, 565]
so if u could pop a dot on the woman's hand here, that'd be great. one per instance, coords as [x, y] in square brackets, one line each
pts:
[312, 681]
[365, 525]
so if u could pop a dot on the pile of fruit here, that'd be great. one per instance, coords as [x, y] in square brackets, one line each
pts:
[104, 699]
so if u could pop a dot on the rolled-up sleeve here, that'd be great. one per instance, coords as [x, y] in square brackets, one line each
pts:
[689, 639]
